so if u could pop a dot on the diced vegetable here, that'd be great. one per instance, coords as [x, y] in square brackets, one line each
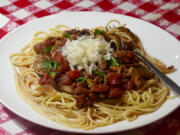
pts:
[56, 64]
[101, 74]
[67, 35]
[113, 78]
[48, 49]
[81, 79]
[113, 62]
[57, 56]
[100, 88]
[114, 93]
[73, 74]
[52, 74]
[47, 64]
[64, 80]
[45, 79]
[41, 52]
[99, 32]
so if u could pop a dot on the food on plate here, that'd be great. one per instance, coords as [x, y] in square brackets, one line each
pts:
[88, 78]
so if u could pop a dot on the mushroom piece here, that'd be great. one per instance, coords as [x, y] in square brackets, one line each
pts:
[114, 38]
[130, 39]
[144, 72]
[59, 43]
[48, 90]
[38, 64]
[66, 89]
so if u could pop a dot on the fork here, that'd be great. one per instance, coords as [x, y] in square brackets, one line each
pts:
[164, 78]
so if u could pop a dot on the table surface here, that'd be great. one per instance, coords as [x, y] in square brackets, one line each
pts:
[163, 13]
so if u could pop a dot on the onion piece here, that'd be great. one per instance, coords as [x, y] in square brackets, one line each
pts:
[48, 90]
[67, 89]
[116, 39]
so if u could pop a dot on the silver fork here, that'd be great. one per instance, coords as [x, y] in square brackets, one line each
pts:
[170, 83]
[164, 78]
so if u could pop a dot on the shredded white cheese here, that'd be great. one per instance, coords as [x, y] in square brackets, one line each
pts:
[86, 51]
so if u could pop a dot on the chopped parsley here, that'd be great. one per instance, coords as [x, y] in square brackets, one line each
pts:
[101, 74]
[113, 62]
[56, 64]
[67, 35]
[99, 32]
[47, 64]
[48, 49]
[52, 74]
[81, 79]
[42, 52]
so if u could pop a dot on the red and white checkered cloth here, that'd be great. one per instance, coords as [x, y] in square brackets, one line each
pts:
[163, 13]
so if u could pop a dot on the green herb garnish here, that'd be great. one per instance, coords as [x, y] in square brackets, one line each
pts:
[52, 73]
[81, 79]
[48, 49]
[67, 35]
[41, 52]
[101, 74]
[98, 31]
[113, 62]
[56, 64]
[47, 64]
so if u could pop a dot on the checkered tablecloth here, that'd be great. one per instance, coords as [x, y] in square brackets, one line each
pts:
[163, 13]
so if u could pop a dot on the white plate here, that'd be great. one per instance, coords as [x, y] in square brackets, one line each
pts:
[157, 43]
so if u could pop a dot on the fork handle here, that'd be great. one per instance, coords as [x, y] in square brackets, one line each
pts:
[170, 83]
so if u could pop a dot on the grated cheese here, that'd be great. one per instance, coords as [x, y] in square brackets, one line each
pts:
[85, 52]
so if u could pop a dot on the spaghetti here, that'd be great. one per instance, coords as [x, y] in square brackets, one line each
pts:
[61, 105]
